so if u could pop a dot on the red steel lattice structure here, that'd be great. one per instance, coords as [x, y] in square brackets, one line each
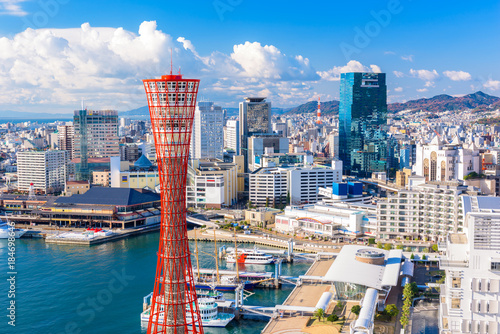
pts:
[172, 102]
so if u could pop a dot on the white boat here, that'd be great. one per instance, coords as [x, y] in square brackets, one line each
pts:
[5, 229]
[249, 256]
[210, 317]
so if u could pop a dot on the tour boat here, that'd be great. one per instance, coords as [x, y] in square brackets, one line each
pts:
[5, 230]
[210, 317]
[249, 256]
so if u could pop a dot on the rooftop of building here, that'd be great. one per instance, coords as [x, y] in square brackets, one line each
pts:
[457, 238]
[92, 160]
[111, 196]
[255, 99]
[264, 209]
[69, 183]
[346, 268]
[482, 204]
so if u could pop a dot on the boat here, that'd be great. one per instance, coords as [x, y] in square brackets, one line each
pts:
[217, 295]
[249, 256]
[6, 229]
[210, 316]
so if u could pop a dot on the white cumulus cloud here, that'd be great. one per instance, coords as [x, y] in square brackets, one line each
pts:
[333, 74]
[105, 66]
[422, 90]
[457, 75]
[398, 89]
[407, 58]
[492, 84]
[424, 74]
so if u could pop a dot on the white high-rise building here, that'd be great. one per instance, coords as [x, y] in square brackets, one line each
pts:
[426, 211]
[207, 140]
[233, 135]
[470, 295]
[268, 185]
[45, 169]
[306, 181]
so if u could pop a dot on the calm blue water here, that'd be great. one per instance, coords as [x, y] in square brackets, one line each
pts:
[76, 289]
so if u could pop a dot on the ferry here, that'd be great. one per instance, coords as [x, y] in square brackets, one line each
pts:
[210, 317]
[252, 256]
[5, 229]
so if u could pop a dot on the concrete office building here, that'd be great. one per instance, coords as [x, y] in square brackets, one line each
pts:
[65, 139]
[470, 294]
[212, 183]
[304, 182]
[45, 169]
[233, 136]
[268, 185]
[264, 145]
[96, 136]
[207, 138]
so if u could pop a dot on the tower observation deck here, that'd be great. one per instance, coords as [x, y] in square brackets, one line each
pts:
[172, 102]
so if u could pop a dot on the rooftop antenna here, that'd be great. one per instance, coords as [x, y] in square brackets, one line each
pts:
[82, 103]
[171, 65]
[179, 70]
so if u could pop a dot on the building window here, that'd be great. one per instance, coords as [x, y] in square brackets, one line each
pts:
[495, 266]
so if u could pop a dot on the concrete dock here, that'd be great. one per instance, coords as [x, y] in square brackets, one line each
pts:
[306, 295]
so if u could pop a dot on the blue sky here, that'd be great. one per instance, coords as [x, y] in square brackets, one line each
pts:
[290, 51]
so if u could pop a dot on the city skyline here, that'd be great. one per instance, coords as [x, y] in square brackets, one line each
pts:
[56, 53]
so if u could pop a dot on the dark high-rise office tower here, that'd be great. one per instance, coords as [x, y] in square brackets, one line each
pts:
[363, 123]
[255, 119]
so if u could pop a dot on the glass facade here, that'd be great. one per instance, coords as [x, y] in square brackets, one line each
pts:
[363, 123]
[349, 291]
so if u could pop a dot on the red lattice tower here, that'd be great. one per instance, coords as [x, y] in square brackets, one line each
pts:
[172, 102]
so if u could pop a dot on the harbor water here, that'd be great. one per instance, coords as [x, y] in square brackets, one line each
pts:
[66, 289]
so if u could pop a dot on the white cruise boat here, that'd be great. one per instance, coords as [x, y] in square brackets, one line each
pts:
[4, 231]
[210, 317]
[249, 256]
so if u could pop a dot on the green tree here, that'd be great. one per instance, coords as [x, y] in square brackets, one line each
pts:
[412, 257]
[339, 304]
[391, 310]
[371, 241]
[267, 202]
[399, 247]
[319, 313]
[434, 248]
[332, 317]
[356, 309]
[249, 204]
[380, 245]
[387, 246]
[424, 257]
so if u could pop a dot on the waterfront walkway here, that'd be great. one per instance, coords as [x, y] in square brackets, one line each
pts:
[306, 295]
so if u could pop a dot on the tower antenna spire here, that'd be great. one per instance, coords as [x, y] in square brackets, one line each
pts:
[318, 113]
[171, 64]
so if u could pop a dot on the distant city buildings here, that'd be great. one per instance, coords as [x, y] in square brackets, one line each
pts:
[66, 139]
[233, 140]
[362, 123]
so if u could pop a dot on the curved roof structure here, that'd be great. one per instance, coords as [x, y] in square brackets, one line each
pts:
[347, 269]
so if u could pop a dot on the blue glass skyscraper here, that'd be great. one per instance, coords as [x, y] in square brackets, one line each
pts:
[363, 123]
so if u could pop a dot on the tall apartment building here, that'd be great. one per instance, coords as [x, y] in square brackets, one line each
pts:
[233, 136]
[268, 185]
[66, 138]
[470, 295]
[255, 119]
[96, 136]
[45, 169]
[362, 123]
[427, 211]
[304, 182]
[207, 139]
